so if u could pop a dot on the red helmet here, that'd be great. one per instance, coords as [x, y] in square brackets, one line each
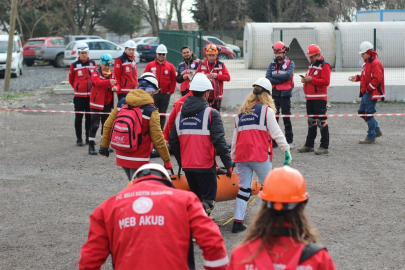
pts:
[313, 49]
[280, 47]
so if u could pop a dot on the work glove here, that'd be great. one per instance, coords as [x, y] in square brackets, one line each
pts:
[287, 160]
[104, 151]
[168, 165]
[229, 172]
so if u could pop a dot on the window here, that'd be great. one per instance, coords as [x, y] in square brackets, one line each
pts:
[216, 41]
[94, 46]
[152, 40]
[70, 46]
[57, 41]
[35, 42]
[107, 46]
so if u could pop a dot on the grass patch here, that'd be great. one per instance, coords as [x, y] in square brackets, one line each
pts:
[14, 95]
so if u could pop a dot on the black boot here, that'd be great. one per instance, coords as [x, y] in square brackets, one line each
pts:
[238, 227]
[92, 150]
[79, 142]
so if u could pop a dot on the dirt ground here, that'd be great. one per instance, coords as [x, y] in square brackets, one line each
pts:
[49, 187]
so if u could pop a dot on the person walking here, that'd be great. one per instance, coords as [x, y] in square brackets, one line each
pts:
[150, 225]
[186, 69]
[166, 76]
[372, 88]
[255, 127]
[80, 80]
[316, 82]
[125, 70]
[101, 97]
[195, 139]
[217, 73]
[151, 133]
[281, 75]
[280, 236]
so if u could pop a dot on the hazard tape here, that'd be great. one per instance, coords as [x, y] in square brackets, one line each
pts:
[222, 115]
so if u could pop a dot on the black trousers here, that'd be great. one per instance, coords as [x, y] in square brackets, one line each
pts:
[283, 105]
[204, 185]
[215, 104]
[82, 104]
[162, 102]
[317, 107]
[95, 120]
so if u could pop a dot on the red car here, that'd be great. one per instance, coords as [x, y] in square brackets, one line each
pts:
[226, 52]
[32, 43]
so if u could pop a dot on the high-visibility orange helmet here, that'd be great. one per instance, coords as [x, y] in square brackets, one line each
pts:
[212, 49]
[284, 188]
[279, 47]
[313, 49]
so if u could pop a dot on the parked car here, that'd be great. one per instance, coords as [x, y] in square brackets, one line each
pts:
[44, 49]
[217, 41]
[17, 56]
[141, 40]
[96, 48]
[147, 50]
[226, 52]
[70, 38]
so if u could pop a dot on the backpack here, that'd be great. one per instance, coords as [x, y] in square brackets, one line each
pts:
[214, 93]
[126, 131]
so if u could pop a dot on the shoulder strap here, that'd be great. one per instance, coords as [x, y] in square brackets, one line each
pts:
[310, 250]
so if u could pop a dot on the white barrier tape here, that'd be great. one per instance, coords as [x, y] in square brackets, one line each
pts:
[222, 115]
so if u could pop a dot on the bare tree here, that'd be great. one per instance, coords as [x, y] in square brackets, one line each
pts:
[149, 10]
[178, 6]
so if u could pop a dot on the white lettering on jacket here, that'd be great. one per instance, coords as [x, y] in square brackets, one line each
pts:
[127, 222]
[152, 220]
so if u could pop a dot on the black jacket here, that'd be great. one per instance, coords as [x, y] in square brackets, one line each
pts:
[191, 107]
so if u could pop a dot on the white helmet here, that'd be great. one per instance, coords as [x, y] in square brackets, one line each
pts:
[161, 49]
[365, 46]
[150, 77]
[200, 83]
[130, 44]
[82, 47]
[264, 83]
[152, 168]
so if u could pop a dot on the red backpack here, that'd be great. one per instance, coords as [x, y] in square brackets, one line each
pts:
[126, 131]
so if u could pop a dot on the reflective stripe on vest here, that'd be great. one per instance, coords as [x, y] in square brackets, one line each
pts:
[197, 125]
[316, 95]
[132, 158]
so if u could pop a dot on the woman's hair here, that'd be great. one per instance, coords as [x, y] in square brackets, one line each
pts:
[253, 99]
[269, 224]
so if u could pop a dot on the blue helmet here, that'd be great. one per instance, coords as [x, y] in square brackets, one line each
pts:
[106, 59]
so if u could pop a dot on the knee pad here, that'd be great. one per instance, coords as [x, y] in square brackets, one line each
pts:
[94, 126]
[321, 123]
[208, 205]
[244, 194]
[310, 120]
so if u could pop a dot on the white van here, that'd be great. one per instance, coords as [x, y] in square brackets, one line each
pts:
[17, 63]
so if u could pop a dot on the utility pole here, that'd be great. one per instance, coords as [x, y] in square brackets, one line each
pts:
[10, 45]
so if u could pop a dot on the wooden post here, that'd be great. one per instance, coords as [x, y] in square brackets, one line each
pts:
[10, 45]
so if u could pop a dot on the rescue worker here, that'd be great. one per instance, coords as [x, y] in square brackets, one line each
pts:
[255, 128]
[197, 136]
[186, 69]
[80, 80]
[280, 235]
[125, 70]
[372, 88]
[166, 76]
[101, 97]
[316, 82]
[217, 73]
[152, 134]
[281, 75]
[150, 225]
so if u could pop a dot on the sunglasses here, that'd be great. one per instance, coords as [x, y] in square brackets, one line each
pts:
[161, 54]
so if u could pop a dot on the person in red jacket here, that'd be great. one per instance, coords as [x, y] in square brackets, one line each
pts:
[125, 70]
[316, 82]
[80, 80]
[166, 76]
[150, 225]
[280, 236]
[101, 97]
[217, 73]
[372, 88]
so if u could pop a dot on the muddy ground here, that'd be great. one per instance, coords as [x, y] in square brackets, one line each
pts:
[49, 187]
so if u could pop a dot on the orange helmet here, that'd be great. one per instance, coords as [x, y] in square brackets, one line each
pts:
[313, 49]
[212, 49]
[280, 47]
[284, 188]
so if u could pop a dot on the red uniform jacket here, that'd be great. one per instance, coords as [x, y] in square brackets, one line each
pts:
[176, 109]
[372, 79]
[219, 68]
[149, 226]
[80, 77]
[126, 73]
[318, 87]
[101, 93]
[285, 255]
[165, 74]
